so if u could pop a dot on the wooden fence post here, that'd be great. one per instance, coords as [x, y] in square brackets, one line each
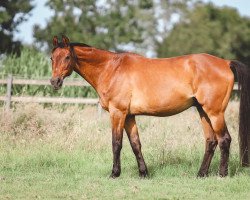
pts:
[8, 94]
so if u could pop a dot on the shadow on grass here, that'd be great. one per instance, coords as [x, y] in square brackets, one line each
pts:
[176, 165]
[234, 167]
[173, 164]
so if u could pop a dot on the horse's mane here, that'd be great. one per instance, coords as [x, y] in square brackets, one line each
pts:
[72, 44]
[79, 44]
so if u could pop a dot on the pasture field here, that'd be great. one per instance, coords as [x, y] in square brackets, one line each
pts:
[65, 153]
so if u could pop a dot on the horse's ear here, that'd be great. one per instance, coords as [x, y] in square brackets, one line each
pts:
[65, 40]
[55, 41]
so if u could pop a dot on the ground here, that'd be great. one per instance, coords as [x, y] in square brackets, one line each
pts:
[65, 153]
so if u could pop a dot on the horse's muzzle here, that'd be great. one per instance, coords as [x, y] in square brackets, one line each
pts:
[56, 82]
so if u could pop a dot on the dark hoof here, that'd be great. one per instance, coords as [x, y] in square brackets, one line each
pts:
[114, 175]
[223, 171]
[143, 174]
[202, 175]
[223, 174]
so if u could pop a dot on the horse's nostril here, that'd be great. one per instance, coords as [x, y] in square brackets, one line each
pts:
[55, 81]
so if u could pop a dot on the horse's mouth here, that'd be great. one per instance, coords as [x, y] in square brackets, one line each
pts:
[57, 87]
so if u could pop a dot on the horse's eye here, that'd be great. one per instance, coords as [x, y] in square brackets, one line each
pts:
[67, 57]
[51, 58]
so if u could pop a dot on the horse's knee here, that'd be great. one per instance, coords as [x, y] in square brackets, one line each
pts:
[117, 145]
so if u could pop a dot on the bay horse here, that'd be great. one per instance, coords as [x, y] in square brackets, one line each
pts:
[129, 84]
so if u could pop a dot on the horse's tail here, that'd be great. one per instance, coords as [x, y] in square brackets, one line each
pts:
[242, 75]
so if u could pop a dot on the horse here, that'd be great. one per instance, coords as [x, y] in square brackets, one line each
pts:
[129, 84]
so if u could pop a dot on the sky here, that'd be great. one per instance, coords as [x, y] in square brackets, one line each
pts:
[41, 14]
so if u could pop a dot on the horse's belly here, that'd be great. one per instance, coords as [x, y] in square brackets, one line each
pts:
[160, 105]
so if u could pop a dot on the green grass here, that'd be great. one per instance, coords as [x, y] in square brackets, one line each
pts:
[53, 154]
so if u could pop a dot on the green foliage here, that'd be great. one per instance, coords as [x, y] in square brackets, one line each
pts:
[105, 25]
[207, 28]
[12, 13]
[32, 64]
[108, 24]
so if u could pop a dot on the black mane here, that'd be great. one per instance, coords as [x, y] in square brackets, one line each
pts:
[72, 44]
[79, 44]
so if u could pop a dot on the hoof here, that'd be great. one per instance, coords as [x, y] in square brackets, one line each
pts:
[202, 175]
[114, 175]
[223, 172]
[222, 175]
[143, 174]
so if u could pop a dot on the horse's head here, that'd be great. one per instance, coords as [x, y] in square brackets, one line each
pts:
[62, 61]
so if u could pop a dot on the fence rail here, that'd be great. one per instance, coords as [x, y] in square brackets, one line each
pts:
[28, 99]
[10, 81]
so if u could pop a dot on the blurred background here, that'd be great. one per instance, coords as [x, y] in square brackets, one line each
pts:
[153, 28]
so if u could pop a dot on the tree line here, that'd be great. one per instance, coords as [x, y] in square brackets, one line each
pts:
[163, 28]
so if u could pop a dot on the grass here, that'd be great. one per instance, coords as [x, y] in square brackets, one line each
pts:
[50, 153]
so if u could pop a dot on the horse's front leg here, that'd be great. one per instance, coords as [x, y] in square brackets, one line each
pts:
[117, 120]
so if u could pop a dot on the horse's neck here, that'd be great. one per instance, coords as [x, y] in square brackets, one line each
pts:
[93, 64]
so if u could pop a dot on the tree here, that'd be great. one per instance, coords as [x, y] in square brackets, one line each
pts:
[207, 28]
[108, 24]
[12, 13]
[105, 25]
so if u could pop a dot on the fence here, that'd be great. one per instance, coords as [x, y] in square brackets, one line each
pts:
[10, 81]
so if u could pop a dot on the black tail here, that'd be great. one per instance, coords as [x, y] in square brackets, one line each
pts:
[242, 75]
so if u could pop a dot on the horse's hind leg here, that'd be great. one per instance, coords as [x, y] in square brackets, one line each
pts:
[214, 98]
[216, 132]
[224, 140]
[211, 142]
[132, 132]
